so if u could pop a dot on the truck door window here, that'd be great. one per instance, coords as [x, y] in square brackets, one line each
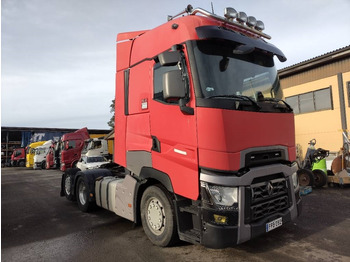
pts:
[71, 144]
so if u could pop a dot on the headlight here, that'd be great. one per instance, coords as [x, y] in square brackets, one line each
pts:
[221, 195]
[295, 180]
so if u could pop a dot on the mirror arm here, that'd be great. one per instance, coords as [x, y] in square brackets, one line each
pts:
[185, 109]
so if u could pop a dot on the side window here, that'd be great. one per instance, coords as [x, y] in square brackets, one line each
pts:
[158, 72]
[71, 144]
[348, 89]
[293, 101]
[317, 100]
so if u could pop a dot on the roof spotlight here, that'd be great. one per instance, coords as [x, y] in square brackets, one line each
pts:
[259, 25]
[242, 17]
[230, 13]
[251, 21]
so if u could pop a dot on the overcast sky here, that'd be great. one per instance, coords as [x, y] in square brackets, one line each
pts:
[58, 56]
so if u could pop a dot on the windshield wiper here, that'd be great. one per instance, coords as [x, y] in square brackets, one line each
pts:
[276, 100]
[241, 97]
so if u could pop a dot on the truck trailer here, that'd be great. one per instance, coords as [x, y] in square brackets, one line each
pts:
[204, 146]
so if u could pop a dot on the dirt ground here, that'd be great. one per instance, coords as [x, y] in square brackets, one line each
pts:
[39, 225]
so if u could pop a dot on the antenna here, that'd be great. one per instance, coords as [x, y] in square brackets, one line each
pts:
[212, 8]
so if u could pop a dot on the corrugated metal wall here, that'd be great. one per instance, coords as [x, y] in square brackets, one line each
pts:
[317, 73]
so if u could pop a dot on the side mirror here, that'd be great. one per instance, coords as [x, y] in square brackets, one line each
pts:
[173, 85]
[169, 58]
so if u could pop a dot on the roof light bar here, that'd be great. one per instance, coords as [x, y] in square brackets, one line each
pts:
[231, 16]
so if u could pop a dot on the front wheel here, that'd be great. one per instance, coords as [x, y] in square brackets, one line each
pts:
[158, 216]
[82, 194]
[306, 177]
[320, 178]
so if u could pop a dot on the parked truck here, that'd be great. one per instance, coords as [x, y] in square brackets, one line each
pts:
[30, 152]
[40, 155]
[18, 157]
[204, 144]
[53, 156]
[96, 147]
[71, 146]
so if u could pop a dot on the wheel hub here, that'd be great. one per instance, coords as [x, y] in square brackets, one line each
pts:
[67, 185]
[155, 216]
[82, 196]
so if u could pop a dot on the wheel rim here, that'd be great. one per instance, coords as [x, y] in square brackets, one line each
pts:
[67, 185]
[304, 179]
[82, 195]
[156, 216]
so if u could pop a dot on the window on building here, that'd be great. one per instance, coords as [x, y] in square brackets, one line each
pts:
[312, 101]
[348, 89]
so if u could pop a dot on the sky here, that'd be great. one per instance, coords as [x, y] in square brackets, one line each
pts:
[58, 56]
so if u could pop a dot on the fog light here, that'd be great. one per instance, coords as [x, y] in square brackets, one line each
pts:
[220, 219]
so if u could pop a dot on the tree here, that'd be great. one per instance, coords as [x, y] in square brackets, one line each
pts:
[111, 121]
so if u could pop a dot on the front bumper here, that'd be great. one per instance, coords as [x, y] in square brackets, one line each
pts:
[245, 227]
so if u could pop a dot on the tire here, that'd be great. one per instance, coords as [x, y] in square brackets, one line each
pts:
[306, 177]
[22, 164]
[43, 165]
[68, 183]
[158, 216]
[82, 196]
[320, 178]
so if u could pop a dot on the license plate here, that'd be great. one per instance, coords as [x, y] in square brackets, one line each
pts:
[274, 224]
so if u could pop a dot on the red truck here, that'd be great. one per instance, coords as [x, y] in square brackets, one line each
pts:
[53, 156]
[71, 146]
[204, 143]
[18, 157]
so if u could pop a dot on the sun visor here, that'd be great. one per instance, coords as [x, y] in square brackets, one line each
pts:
[210, 32]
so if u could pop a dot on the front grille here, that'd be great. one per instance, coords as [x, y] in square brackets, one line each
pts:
[268, 195]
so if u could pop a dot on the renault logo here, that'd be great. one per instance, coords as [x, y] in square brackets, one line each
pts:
[269, 188]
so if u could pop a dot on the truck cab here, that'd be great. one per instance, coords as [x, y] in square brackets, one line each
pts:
[30, 152]
[204, 140]
[18, 157]
[40, 155]
[53, 156]
[71, 147]
[96, 147]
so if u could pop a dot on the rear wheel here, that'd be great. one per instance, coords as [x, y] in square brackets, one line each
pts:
[22, 164]
[320, 178]
[43, 165]
[158, 216]
[306, 177]
[82, 192]
[68, 179]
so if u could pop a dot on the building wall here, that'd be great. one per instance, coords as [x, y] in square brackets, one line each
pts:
[326, 125]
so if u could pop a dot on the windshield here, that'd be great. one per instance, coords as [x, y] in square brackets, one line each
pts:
[39, 151]
[228, 69]
[95, 159]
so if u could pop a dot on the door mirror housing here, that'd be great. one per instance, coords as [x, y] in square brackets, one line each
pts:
[169, 58]
[173, 85]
